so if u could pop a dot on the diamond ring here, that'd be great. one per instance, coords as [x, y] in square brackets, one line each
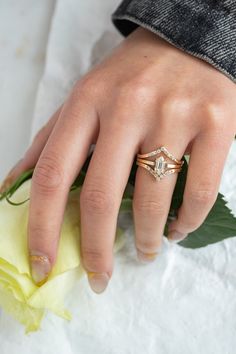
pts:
[160, 166]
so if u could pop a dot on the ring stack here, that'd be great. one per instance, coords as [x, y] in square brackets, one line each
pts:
[160, 167]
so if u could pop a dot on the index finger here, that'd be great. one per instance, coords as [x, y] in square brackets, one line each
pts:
[57, 167]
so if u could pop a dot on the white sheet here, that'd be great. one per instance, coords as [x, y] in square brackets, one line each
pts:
[182, 303]
[22, 54]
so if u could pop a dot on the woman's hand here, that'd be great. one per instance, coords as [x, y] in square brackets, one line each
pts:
[146, 94]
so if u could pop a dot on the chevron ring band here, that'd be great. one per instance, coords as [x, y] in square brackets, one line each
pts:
[160, 167]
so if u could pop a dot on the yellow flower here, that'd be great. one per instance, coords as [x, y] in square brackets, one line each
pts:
[19, 295]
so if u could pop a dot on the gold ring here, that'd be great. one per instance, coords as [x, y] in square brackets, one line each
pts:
[160, 167]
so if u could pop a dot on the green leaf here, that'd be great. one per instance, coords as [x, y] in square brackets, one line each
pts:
[15, 185]
[219, 225]
[126, 204]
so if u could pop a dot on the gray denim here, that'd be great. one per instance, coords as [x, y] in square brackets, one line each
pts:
[203, 28]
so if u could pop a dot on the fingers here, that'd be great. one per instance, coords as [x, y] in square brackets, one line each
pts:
[58, 165]
[100, 200]
[206, 165]
[152, 198]
[32, 154]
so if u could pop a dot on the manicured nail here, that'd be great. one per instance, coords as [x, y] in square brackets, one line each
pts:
[175, 236]
[98, 281]
[146, 257]
[40, 268]
[6, 184]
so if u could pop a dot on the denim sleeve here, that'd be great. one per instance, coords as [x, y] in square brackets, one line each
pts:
[203, 28]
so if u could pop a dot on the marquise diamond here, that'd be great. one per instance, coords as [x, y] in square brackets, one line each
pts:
[160, 165]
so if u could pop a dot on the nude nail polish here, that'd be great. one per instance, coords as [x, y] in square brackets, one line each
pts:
[175, 236]
[146, 257]
[6, 184]
[98, 281]
[40, 268]
[9, 178]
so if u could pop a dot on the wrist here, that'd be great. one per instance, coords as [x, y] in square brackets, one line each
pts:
[146, 37]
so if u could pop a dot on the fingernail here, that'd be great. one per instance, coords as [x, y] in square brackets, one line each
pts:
[146, 257]
[98, 281]
[175, 236]
[9, 178]
[6, 184]
[40, 268]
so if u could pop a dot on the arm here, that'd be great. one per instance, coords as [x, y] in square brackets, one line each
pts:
[203, 28]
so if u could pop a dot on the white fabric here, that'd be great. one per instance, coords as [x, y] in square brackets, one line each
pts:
[22, 54]
[182, 303]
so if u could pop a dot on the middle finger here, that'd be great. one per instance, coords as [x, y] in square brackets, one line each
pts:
[100, 200]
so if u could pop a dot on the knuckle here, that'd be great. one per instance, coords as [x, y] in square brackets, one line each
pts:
[215, 113]
[41, 234]
[48, 176]
[86, 87]
[177, 105]
[147, 245]
[202, 196]
[94, 259]
[191, 225]
[92, 255]
[149, 206]
[42, 239]
[134, 92]
[96, 201]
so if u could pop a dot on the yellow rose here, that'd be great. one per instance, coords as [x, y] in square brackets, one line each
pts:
[19, 295]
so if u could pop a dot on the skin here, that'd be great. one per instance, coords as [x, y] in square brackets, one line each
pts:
[145, 94]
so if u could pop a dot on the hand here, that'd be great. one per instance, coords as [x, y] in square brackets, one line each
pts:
[146, 94]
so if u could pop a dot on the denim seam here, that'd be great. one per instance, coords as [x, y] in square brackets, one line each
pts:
[153, 29]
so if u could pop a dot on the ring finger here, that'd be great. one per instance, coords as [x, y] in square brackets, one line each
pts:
[152, 198]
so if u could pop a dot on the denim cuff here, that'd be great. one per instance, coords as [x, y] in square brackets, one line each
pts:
[203, 28]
